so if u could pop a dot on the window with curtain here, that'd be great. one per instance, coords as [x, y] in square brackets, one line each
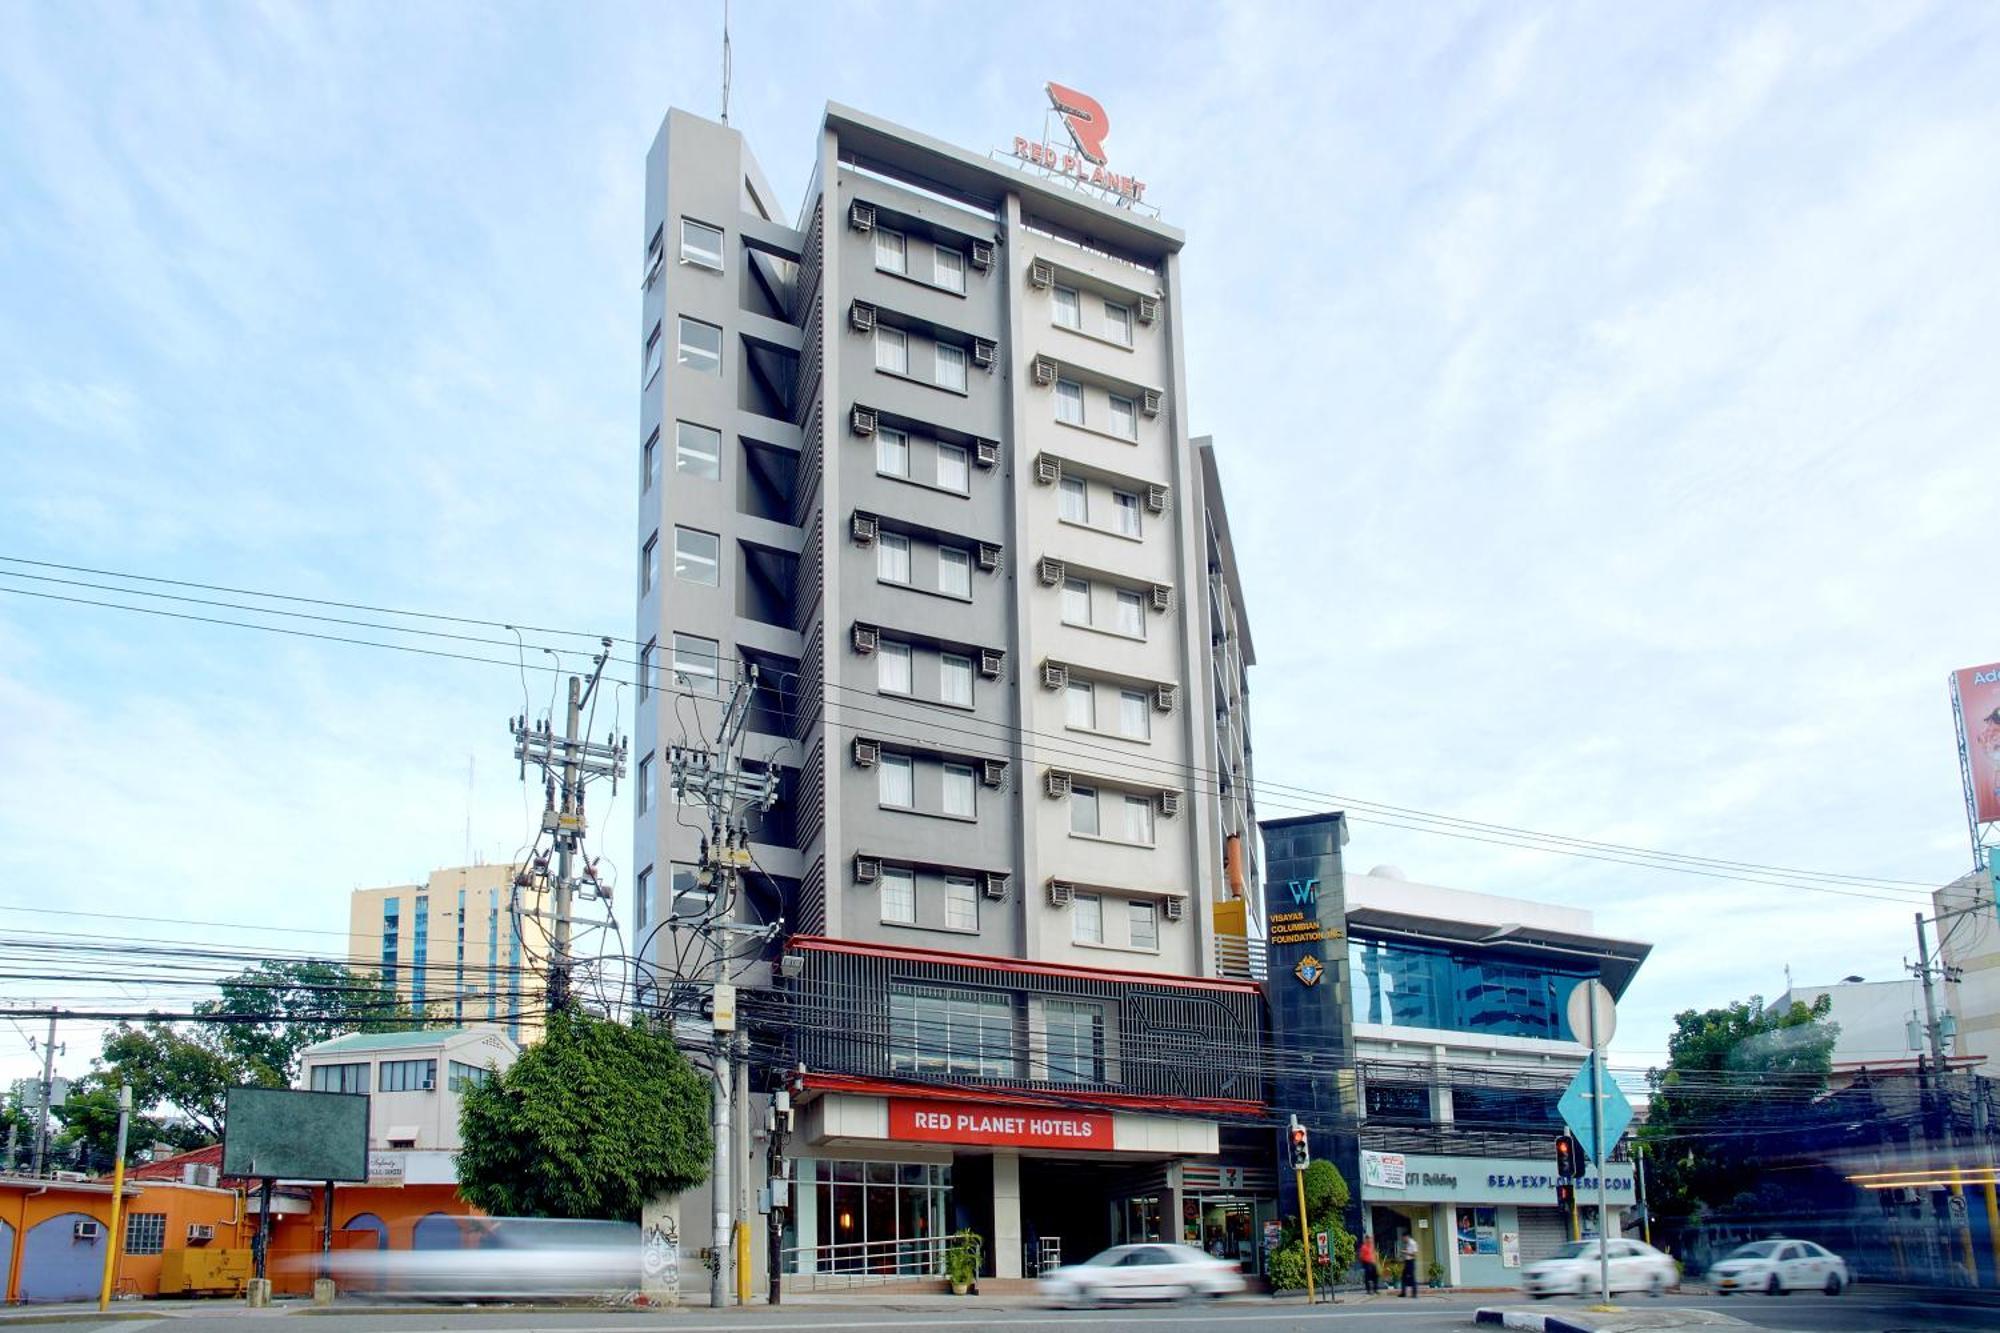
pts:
[896, 785]
[952, 473]
[1074, 1031]
[954, 572]
[950, 366]
[1087, 919]
[1129, 518]
[1083, 810]
[1135, 716]
[1081, 698]
[1131, 614]
[961, 903]
[891, 251]
[892, 453]
[1073, 499]
[1068, 309]
[1069, 402]
[1118, 323]
[950, 269]
[892, 351]
[955, 679]
[899, 896]
[892, 668]
[892, 558]
[1145, 925]
[1139, 820]
[1076, 601]
[1124, 418]
[958, 790]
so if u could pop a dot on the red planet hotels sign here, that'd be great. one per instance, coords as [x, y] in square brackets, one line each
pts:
[1978, 692]
[1088, 125]
[912, 1121]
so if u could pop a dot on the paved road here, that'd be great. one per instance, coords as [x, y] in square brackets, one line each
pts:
[1859, 1311]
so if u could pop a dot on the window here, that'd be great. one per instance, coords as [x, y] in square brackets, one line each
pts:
[1069, 402]
[649, 461]
[938, 1031]
[892, 453]
[958, 797]
[899, 897]
[652, 357]
[692, 898]
[1406, 984]
[891, 251]
[697, 451]
[1131, 614]
[1069, 310]
[1118, 323]
[1139, 820]
[961, 903]
[895, 786]
[145, 1233]
[459, 1077]
[642, 904]
[646, 656]
[649, 564]
[701, 244]
[1073, 499]
[1082, 705]
[1127, 506]
[656, 252]
[701, 346]
[892, 668]
[1076, 602]
[697, 663]
[339, 1078]
[951, 366]
[950, 269]
[646, 793]
[1075, 1032]
[407, 1075]
[892, 558]
[1135, 718]
[955, 679]
[954, 572]
[892, 350]
[1086, 921]
[952, 473]
[1145, 925]
[697, 556]
[1124, 418]
[1083, 811]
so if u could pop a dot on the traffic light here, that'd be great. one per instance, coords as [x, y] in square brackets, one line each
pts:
[1568, 1159]
[1565, 1196]
[1301, 1152]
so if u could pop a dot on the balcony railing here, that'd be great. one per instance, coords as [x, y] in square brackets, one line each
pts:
[862, 1263]
[1240, 958]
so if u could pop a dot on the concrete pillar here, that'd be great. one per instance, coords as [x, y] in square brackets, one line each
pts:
[1006, 1240]
[1442, 1111]
[660, 1253]
[1176, 1227]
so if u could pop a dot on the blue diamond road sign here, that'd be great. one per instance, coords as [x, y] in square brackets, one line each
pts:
[1575, 1108]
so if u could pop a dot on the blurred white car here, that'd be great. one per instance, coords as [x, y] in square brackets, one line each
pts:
[1573, 1270]
[1143, 1273]
[1777, 1266]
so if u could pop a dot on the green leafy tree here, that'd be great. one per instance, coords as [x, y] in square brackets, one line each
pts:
[88, 1121]
[185, 1068]
[297, 1003]
[1326, 1204]
[592, 1121]
[1737, 1084]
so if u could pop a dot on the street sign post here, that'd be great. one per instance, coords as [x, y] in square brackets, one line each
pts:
[1594, 1015]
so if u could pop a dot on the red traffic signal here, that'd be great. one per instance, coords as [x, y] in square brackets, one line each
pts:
[1301, 1153]
[1569, 1163]
[1566, 1196]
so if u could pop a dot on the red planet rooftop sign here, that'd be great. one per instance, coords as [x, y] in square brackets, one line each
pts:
[912, 1121]
[1084, 161]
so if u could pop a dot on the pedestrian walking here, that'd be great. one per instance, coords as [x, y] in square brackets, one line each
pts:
[1371, 1273]
[1406, 1250]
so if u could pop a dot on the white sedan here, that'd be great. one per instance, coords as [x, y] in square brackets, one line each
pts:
[1574, 1270]
[1777, 1266]
[1142, 1273]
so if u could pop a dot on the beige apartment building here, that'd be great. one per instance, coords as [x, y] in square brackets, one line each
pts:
[451, 946]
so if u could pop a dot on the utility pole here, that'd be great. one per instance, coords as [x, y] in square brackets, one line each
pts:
[115, 1241]
[779, 1122]
[1939, 1090]
[49, 1052]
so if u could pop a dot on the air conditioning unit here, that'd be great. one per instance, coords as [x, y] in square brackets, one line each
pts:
[867, 869]
[1176, 908]
[866, 638]
[984, 354]
[1055, 676]
[1055, 785]
[862, 316]
[1045, 371]
[1050, 571]
[863, 528]
[993, 772]
[982, 255]
[986, 453]
[1149, 309]
[1149, 403]
[994, 885]
[430, 1083]
[1042, 273]
[86, 1230]
[1156, 499]
[1163, 598]
[1061, 893]
[1048, 469]
[1169, 803]
[861, 216]
[862, 421]
[201, 1174]
[866, 752]
[200, 1233]
[989, 556]
[991, 662]
[1164, 697]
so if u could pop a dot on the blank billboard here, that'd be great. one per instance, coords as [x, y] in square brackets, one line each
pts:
[290, 1135]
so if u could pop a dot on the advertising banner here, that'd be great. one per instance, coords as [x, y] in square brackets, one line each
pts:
[1383, 1170]
[913, 1121]
[1977, 692]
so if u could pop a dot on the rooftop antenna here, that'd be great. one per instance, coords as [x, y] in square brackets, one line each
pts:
[725, 62]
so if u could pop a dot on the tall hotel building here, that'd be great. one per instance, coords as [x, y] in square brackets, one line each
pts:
[919, 455]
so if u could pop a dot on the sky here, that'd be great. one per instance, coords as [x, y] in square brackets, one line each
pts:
[1603, 395]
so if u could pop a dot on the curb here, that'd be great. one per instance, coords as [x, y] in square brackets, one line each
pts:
[1541, 1323]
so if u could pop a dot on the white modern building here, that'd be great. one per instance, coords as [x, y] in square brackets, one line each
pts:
[414, 1082]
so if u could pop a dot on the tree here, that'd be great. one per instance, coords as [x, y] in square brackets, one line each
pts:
[1738, 1083]
[1326, 1204]
[295, 1004]
[592, 1121]
[165, 1065]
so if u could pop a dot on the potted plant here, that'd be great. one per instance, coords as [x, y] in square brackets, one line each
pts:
[961, 1261]
[1436, 1274]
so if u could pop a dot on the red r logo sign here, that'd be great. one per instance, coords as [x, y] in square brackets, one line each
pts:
[1085, 118]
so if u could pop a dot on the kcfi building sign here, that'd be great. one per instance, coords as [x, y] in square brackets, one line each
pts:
[1084, 161]
[1008, 1127]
